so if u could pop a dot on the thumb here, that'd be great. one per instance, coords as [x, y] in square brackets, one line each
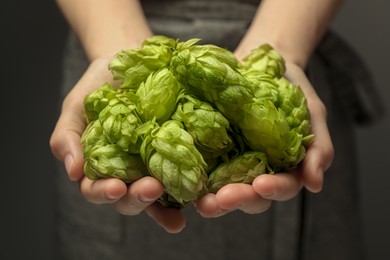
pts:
[65, 143]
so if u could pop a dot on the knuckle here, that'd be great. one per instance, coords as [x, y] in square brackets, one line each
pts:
[55, 144]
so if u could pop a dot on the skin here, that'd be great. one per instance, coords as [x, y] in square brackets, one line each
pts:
[294, 37]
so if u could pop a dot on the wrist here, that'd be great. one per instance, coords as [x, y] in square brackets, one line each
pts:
[108, 46]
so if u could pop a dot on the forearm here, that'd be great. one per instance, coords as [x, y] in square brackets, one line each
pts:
[105, 26]
[293, 28]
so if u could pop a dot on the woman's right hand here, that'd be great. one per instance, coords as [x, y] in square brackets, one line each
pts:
[66, 146]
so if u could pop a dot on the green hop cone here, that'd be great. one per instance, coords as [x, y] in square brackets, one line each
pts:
[106, 160]
[172, 158]
[93, 135]
[158, 96]
[159, 41]
[133, 66]
[277, 121]
[204, 50]
[110, 161]
[265, 129]
[212, 74]
[97, 101]
[205, 70]
[241, 169]
[292, 101]
[207, 126]
[120, 121]
[264, 60]
[264, 88]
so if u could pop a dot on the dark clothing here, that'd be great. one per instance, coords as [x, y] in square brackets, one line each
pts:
[324, 226]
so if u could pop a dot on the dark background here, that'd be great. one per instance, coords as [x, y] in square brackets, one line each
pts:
[31, 41]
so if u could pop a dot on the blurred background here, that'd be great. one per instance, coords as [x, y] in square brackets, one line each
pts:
[32, 36]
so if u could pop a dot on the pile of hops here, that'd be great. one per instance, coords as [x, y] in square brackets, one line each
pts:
[195, 118]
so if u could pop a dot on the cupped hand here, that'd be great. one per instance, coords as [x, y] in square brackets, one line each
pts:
[66, 146]
[257, 198]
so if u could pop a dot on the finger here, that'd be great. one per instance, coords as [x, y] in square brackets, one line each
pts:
[279, 186]
[208, 206]
[66, 146]
[320, 153]
[103, 190]
[171, 219]
[140, 194]
[242, 197]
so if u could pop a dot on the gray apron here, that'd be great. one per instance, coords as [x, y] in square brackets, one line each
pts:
[324, 226]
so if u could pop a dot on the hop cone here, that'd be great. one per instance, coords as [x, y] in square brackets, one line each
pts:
[205, 70]
[241, 169]
[263, 60]
[110, 161]
[92, 136]
[104, 160]
[133, 66]
[277, 121]
[158, 96]
[292, 101]
[120, 121]
[97, 101]
[207, 126]
[266, 129]
[264, 88]
[171, 157]
[211, 73]
[160, 41]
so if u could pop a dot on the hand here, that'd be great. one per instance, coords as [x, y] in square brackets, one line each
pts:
[257, 198]
[65, 144]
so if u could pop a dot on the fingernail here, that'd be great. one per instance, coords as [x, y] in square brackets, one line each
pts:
[109, 196]
[145, 200]
[267, 195]
[259, 185]
[68, 163]
[320, 174]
